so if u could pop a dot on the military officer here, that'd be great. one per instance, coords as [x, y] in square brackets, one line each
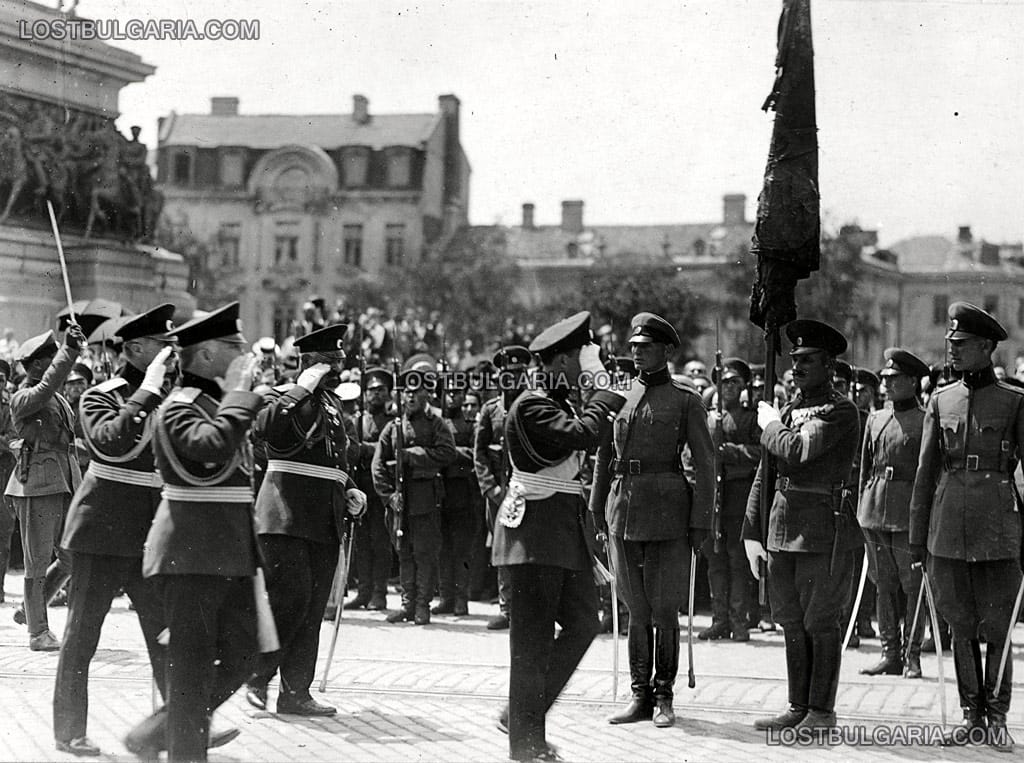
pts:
[7, 460]
[109, 517]
[201, 546]
[540, 533]
[965, 512]
[490, 456]
[300, 515]
[811, 526]
[47, 473]
[652, 516]
[372, 548]
[865, 389]
[426, 447]
[736, 438]
[891, 443]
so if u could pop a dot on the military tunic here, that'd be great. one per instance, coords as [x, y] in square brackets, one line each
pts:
[373, 551]
[299, 509]
[891, 444]
[965, 509]
[548, 560]
[202, 548]
[460, 515]
[490, 462]
[104, 532]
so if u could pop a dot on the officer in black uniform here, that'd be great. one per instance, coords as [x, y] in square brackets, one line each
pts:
[300, 515]
[891, 444]
[110, 516]
[540, 533]
[372, 549]
[490, 456]
[812, 529]
[966, 515]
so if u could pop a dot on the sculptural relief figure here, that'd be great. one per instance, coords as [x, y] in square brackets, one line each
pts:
[13, 167]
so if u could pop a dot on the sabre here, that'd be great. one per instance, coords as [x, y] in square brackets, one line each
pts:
[691, 681]
[337, 613]
[938, 647]
[856, 603]
[913, 627]
[63, 264]
[613, 583]
[1009, 632]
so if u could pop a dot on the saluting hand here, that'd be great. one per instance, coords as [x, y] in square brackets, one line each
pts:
[310, 378]
[240, 374]
[156, 372]
[766, 414]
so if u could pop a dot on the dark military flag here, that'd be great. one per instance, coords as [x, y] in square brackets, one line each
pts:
[786, 236]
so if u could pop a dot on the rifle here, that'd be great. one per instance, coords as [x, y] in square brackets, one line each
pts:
[361, 407]
[441, 392]
[395, 509]
[716, 512]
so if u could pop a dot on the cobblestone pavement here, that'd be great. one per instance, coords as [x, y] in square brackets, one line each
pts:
[408, 693]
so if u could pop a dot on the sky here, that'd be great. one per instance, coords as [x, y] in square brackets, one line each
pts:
[647, 111]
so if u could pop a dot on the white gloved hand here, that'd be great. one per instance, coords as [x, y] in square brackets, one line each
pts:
[240, 374]
[590, 360]
[156, 372]
[766, 414]
[755, 553]
[310, 378]
[355, 502]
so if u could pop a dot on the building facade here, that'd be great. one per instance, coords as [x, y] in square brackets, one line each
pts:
[289, 205]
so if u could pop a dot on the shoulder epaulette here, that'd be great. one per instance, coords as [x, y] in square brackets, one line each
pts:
[684, 387]
[1009, 387]
[111, 384]
[185, 395]
[946, 388]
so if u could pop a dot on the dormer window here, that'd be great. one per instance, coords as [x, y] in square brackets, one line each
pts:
[181, 168]
[399, 166]
[355, 166]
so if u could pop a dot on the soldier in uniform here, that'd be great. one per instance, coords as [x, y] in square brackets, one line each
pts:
[460, 512]
[109, 518]
[965, 513]
[201, 547]
[490, 456]
[300, 513]
[427, 448]
[891, 443]
[812, 529]
[651, 514]
[372, 549]
[736, 439]
[47, 473]
[540, 533]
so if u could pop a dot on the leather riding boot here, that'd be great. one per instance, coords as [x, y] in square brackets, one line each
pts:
[891, 663]
[57, 574]
[798, 673]
[888, 604]
[997, 706]
[970, 684]
[826, 656]
[998, 735]
[640, 641]
[35, 606]
[666, 667]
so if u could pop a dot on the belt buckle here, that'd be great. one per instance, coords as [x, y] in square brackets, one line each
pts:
[634, 466]
[972, 463]
[889, 471]
[783, 484]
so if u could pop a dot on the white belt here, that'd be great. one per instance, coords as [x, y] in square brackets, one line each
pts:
[120, 474]
[216, 494]
[307, 470]
[541, 483]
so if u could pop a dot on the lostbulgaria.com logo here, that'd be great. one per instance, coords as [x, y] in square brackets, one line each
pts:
[903, 735]
[138, 29]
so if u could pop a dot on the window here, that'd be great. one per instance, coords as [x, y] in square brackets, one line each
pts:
[231, 169]
[283, 313]
[940, 304]
[230, 244]
[355, 166]
[398, 167]
[286, 249]
[992, 304]
[182, 170]
[352, 245]
[394, 243]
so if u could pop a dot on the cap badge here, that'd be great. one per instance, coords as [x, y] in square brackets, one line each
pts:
[799, 341]
[955, 324]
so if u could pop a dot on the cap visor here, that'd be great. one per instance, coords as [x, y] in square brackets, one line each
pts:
[959, 335]
[805, 350]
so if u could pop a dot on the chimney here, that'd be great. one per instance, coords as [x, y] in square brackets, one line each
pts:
[527, 216]
[989, 255]
[360, 109]
[224, 106]
[734, 209]
[964, 236]
[572, 216]
[448, 105]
